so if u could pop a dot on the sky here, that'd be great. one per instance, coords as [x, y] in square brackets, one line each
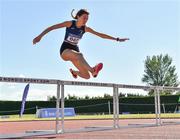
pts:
[153, 27]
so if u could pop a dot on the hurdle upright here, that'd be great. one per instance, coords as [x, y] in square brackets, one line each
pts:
[94, 84]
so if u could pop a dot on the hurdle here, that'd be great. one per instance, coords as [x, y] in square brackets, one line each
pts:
[60, 98]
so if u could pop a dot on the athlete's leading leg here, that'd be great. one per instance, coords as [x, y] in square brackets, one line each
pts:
[79, 62]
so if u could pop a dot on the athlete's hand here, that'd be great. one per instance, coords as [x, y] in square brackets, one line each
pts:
[122, 39]
[36, 40]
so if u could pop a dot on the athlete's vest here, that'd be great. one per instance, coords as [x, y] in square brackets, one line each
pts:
[74, 34]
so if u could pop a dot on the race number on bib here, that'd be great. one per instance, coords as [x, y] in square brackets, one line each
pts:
[73, 39]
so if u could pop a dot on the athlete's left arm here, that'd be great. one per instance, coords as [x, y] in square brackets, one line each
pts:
[102, 35]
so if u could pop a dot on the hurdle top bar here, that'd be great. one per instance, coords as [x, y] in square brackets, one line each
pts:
[52, 81]
[148, 87]
[28, 80]
[78, 83]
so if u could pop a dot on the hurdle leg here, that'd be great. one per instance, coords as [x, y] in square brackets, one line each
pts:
[156, 106]
[159, 107]
[114, 108]
[62, 108]
[57, 108]
[117, 104]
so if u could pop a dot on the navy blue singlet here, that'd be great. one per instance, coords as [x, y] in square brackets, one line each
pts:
[72, 37]
[74, 34]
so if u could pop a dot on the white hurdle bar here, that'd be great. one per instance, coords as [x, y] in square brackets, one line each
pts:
[60, 95]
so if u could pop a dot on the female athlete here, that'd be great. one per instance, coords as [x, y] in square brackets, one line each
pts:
[69, 50]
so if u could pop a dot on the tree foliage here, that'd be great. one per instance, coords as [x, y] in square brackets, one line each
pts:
[159, 71]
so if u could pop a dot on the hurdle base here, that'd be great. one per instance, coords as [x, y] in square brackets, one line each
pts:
[84, 129]
[25, 135]
[139, 125]
[170, 123]
[89, 129]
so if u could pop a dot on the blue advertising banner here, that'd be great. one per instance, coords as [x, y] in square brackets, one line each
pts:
[51, 112]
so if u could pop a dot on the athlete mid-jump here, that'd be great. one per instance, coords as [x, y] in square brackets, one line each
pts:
[69, 49]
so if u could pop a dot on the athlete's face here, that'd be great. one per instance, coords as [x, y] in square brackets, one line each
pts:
[83, 19]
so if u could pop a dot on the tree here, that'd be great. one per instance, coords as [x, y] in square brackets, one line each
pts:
[107, 96]
[72, 97]
[159, 71]
[87, 97]
[53, 98]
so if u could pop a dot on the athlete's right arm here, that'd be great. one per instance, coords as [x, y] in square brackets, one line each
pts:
[56, 26]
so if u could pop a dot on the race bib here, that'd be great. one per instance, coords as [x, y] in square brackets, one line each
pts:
[73, 39]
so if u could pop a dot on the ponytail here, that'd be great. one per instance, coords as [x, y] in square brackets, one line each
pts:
[79, 13]
[74, 17]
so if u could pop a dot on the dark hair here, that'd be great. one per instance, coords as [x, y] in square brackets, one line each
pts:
[79, 13]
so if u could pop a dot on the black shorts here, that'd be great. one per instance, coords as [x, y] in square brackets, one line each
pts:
[66, 45]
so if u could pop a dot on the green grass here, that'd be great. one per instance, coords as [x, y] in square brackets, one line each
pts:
[29, 117]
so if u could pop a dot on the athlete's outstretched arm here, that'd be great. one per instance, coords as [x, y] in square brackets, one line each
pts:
[102, 35]
[56, 26]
